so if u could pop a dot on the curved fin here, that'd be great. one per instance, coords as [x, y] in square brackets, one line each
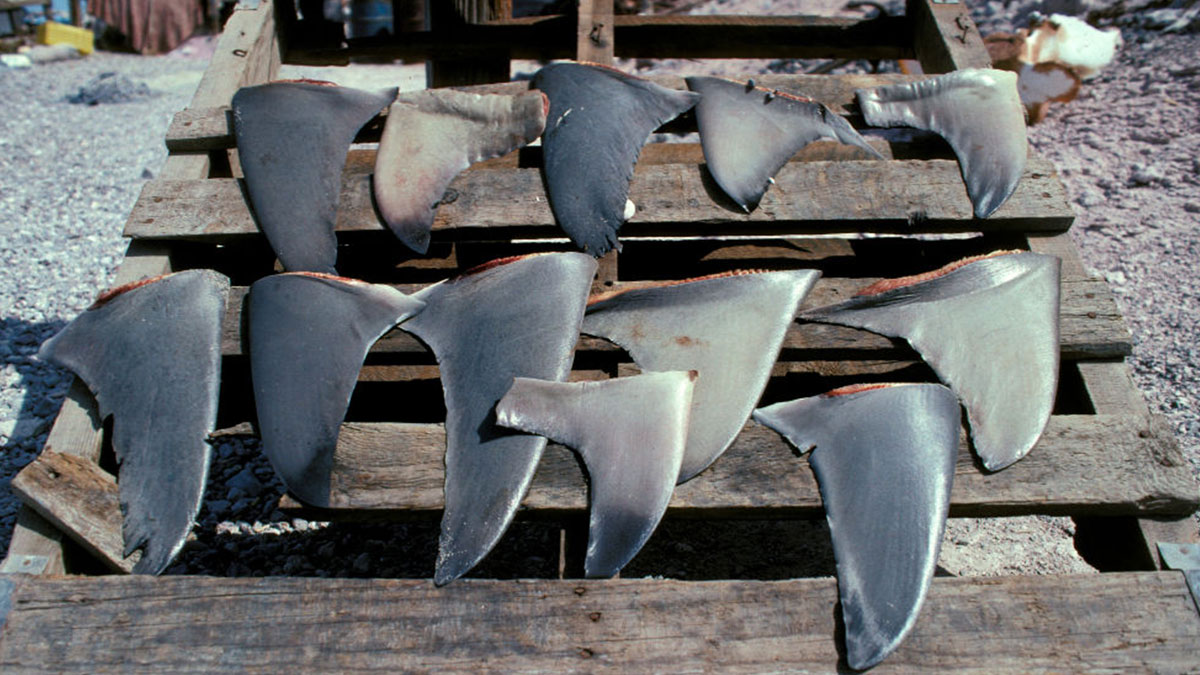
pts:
[292, 140]
[432, 135]
[728, 328]
[989, 329]
[506, 319]
[884, 458]
[749, 133]
[977, 111]
[599, 120]
[151, 354]
[630, 432]
[309, 335]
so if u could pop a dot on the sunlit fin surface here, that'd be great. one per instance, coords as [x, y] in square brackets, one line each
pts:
[630, 432]
[506, 319]
[729, 328]
[309, 335]
[884, 459]
[292, 140]
[151, 354]
[432, 135]
[598, 122]
[749, 133]
[978, 111]
[989, 328]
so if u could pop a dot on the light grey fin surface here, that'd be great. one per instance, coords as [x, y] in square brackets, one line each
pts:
[292, 140]
[151, 354]
[749, 133]
[978, 111]
[432, 135]
[309, 335]
[630, 432]
[884, 459]
[728, 328]
[506, 319]
[599, 120]
[989, 329]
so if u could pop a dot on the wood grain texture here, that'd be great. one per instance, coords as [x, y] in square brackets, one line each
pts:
[81, 500]
[208, 126]
[672, 200]
[1087, 623]
[1097, 464]
[945, 37]
[594, 31]
[651, 36]
[1090, 324]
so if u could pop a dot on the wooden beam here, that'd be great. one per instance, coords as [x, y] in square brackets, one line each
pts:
[1090, 326]
[594, 32]
[1099, 464]
[1135, 622]
[450, 19]
[945, 37]
[652, 36]
[672, 200]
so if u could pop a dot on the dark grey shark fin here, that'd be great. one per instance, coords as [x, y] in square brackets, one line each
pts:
[884, 457]
[599, 120]
[978, 111]
[630, 432]
[509, 318]
[309, 335]
[729, 328]
[292, 139]
[989, 328]
[151, 353]
[749, 133]
[432, 135]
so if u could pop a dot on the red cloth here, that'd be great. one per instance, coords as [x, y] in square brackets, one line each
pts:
[152, 26]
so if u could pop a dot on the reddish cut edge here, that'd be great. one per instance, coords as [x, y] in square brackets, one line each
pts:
[330, 277]
[884, 285]
[111, 293]
[483, 267]
[305, 80]
[608, 295]
[858, 388]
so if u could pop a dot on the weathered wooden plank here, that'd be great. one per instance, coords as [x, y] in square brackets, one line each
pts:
[81, 500]
[594, 31]
[1090, 324]
[450, 20]
[1137, 621]
[945, 37]
[1098, 464]
[651, 36]
[671, 199]
[207, 127]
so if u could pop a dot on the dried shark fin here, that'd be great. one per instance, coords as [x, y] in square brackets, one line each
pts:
[884, 458]
[989, 328]
[292, 140]
[630, 432]
[309, 335]
[599, 120]
[432, 135]
[151, 354]
[729, 328]
[749, 133]
[510, 318]
[977, 111]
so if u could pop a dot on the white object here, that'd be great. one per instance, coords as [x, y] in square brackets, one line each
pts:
[1073, 43]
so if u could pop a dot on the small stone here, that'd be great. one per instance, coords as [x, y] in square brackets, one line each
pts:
[362, 563]
[218, 506]
[1146, 175]
[300, 524]
[246, 482]
[1191, 207]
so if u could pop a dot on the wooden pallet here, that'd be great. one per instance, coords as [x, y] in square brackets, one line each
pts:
[1104, 459]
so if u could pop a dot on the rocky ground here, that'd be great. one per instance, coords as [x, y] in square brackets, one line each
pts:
[69, 174]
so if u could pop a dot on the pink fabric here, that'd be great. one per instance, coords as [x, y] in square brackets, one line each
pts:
[152, 26]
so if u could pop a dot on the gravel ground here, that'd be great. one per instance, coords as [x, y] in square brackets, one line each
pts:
[69, 175]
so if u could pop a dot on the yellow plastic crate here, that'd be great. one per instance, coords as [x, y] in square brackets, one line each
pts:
[53, 33]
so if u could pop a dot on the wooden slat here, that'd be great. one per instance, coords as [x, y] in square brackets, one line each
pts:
[81, 500]
[1099, 464]
[594, 31]
[208, 127]
[1080, 623]
[1090, 324]
[671, 199]
[652, 36]
[945, 37]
